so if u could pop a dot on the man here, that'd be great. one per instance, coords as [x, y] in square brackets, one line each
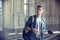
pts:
[35, 26]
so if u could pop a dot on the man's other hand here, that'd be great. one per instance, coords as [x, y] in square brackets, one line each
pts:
[34, 30]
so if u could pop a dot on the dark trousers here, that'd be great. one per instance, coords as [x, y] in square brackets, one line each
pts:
[37, 38]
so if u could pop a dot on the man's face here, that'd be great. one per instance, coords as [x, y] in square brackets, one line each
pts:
[39, 11]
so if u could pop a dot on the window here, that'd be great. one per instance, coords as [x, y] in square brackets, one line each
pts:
[0, 14]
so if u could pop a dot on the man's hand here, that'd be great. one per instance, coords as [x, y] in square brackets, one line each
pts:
[34, 30]
[27, 29]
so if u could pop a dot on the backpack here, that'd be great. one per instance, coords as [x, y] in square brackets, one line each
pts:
[27, 35]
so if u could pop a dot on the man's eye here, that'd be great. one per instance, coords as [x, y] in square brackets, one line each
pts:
[39, 9]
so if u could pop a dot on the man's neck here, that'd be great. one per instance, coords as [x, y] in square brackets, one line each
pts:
[39, 16]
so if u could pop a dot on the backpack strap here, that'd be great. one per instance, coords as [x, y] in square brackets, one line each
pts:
[32, 19]
[43, 19]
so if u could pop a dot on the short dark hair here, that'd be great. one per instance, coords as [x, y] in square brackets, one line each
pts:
[39, 6]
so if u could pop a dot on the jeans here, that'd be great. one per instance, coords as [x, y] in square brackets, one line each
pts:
[33, 36]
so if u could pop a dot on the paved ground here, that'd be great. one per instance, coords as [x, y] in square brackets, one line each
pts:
[12, 34]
